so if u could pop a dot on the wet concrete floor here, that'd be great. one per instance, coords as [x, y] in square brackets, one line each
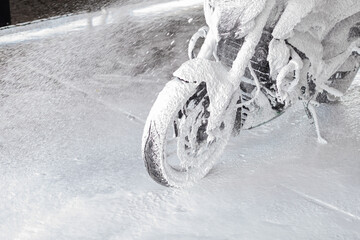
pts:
[29, 10]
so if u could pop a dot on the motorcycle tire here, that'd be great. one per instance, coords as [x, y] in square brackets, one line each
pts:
[342, 79]
[175, 146]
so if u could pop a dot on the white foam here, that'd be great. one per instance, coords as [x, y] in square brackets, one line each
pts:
[168, 6]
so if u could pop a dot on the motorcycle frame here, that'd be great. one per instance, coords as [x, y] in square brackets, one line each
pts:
[230, 79]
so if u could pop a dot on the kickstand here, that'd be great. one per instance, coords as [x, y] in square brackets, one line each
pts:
[311, 113]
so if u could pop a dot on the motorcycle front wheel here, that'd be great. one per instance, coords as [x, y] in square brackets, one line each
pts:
[176, 147]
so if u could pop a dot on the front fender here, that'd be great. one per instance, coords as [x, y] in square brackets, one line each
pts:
[219, 88]
[201, 70]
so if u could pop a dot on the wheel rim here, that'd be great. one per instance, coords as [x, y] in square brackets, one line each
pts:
[189, 156]
[160, 144]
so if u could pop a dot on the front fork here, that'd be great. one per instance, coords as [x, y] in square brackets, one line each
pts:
[221, 84]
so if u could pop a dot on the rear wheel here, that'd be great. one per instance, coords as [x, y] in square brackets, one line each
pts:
[342, 79]
[176, 147]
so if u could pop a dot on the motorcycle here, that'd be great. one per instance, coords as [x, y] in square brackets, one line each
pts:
[256, 60]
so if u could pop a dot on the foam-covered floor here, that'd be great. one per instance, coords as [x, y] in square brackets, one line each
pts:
[74, 95]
